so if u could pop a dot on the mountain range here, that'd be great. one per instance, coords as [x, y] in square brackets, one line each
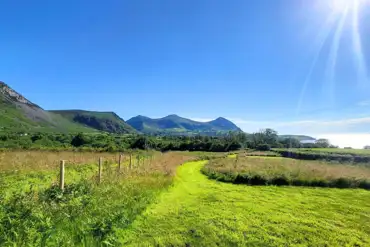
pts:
[18, 114]
[174, 124]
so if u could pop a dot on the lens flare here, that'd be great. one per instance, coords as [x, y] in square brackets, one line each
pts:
[362, 75]
[338, 11]
[332, 62]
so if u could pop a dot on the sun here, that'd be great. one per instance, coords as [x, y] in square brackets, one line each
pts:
[340, 6]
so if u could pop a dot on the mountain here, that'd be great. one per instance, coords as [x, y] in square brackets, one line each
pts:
[174, 124]
[103, 121]
[19, 114]
[298, 137]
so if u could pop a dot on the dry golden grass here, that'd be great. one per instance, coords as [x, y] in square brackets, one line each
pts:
[272, 166]
[44, 160]
[48, 160]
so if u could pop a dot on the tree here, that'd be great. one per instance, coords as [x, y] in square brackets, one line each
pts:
[79, 140]
[322, 143]
[290, 143]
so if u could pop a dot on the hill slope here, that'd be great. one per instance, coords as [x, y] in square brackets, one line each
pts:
[103, 121]
[174, 124]
[19, 114]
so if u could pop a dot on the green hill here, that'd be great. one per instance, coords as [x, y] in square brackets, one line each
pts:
[17, 114]
[174, 124]
[103, 121]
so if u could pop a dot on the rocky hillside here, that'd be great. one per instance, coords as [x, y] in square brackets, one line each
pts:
[103, 121]
[21, 115]
[18, 114]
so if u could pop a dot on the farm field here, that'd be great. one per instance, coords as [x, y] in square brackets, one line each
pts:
[160, 202]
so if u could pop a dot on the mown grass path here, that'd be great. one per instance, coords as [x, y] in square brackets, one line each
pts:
[197, 211]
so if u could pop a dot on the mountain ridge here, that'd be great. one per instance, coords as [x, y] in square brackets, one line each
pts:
[174, 124]
[18, 114]
[106, 121]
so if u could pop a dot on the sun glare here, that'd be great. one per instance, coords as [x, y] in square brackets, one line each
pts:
[340, 6]
[342, 18]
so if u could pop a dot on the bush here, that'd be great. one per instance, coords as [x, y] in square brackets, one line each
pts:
[263, 147]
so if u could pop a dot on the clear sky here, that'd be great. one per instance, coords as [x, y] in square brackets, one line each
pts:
[300, 67]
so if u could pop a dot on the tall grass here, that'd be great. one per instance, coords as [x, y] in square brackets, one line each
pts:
[85, 213]
[336, 155]
[282, 171]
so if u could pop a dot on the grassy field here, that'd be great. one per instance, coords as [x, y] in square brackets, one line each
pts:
[162, 203]
[35, 212]
[197, 211]
[283, 171]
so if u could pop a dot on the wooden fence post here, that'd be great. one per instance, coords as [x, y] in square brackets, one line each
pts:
[100, 169]
[61, 175]
[119, 162]
[137, 160]
[130, 161]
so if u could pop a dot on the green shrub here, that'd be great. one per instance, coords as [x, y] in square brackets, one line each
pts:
[263, 147]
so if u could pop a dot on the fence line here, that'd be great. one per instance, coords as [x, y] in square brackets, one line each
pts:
[131, 165]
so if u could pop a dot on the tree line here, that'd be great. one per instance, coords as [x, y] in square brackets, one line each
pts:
[264, 139]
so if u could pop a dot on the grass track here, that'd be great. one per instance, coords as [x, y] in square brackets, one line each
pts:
[201, 212]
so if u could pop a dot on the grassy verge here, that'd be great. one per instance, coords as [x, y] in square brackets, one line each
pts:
[281, 171]
[35, 212]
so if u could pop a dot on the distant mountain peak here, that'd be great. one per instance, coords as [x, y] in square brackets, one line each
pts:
[174, 124]
[14, 96]
[221, 119]
[3, 84]
[172, 116]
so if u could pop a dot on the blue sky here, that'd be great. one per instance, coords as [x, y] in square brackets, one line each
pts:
[292, 65]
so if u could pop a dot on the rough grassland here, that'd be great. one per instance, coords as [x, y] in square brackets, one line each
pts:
[35, 212]
[201, 212]
[254, 170]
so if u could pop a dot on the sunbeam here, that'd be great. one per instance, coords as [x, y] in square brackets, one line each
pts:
[322, 38]
[339, 11]
[362, 75]
[333, 55]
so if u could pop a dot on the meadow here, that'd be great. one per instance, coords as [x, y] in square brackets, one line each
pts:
[165, 200]
[197, 211]
[256, 170]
